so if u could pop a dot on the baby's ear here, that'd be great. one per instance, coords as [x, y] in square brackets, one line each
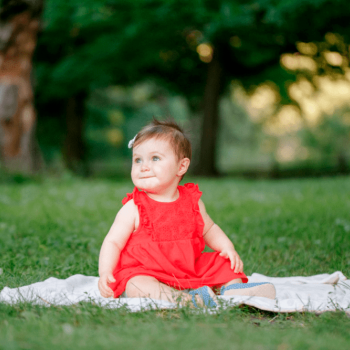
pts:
[183, 166]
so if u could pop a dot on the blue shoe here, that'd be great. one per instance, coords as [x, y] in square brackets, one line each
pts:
[262, 289]
[203, 292]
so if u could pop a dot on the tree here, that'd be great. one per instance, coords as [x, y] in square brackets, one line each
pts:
[19, 25]
[193, 48]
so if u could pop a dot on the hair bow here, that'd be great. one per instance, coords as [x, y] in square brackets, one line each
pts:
[131, 142]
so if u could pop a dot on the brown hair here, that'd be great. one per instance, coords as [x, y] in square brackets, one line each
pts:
[168, 130]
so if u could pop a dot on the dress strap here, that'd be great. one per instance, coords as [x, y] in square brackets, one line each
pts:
[139, 200]
[192, 190]
[129, 196]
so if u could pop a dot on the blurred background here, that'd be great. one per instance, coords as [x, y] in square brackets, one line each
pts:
[263, 87]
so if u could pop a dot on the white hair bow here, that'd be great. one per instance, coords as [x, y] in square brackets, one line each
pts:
[131, 142]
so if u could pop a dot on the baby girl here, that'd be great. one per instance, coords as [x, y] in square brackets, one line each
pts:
[155, 246]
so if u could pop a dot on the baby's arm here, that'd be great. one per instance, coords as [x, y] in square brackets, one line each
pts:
[113, 244]
[216, 239]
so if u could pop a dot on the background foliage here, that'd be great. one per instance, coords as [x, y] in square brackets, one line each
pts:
[135, 59]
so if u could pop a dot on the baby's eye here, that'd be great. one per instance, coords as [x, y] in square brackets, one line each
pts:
[137, 160]
[155, 158]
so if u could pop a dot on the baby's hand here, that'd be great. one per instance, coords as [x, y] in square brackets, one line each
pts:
[103, 284]
[236, 261]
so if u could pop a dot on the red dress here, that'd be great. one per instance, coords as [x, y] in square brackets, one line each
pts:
[168, 245]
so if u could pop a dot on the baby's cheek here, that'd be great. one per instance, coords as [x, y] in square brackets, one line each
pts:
[161, 169]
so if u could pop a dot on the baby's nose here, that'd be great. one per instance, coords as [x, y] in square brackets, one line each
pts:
[144, 167]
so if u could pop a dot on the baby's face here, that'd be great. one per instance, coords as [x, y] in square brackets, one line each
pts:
[155, 166]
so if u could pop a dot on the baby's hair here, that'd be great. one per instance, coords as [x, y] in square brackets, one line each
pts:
[167, 130]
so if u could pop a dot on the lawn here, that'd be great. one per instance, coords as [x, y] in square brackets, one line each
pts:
[280, 228]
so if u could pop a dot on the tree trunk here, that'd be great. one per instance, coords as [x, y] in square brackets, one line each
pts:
[206, 164]
[19, 25]
[74, 149]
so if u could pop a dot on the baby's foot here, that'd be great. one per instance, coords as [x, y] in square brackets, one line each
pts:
[264, 289]
[203, 297]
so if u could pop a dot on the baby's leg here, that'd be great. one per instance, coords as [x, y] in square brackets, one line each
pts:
[237, 280]
[149, 287]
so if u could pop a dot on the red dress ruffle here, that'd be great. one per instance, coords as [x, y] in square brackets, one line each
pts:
[168, 245]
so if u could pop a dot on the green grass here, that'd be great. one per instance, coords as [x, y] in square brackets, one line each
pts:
[280, 228]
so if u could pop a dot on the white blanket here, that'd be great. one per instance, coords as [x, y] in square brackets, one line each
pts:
[319, 293]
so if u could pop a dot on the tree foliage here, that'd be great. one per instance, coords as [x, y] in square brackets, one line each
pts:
[95, 43]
